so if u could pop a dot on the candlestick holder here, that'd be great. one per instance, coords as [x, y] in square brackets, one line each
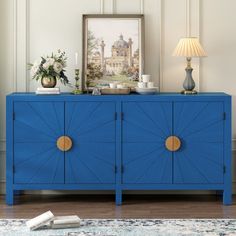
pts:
[77, 83]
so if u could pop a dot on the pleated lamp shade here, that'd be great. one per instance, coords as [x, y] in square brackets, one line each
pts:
[189, 47]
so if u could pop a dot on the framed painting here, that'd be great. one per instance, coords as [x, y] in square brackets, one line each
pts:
[113, 50]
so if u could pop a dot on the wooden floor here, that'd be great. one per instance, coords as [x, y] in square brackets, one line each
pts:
[134, 206]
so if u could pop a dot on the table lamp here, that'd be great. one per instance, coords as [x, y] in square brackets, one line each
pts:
[189, 47]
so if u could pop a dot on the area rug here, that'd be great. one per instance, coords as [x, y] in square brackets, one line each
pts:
[131, 227]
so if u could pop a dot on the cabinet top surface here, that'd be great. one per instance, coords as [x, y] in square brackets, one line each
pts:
[165, 97]
[133, 95]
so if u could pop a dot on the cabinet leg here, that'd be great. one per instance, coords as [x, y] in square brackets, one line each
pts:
[227, 197]
[118, 197]
[10, 196]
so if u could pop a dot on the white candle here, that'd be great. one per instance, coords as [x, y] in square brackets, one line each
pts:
[76, 58]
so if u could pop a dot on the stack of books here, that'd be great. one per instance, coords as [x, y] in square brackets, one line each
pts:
[48, 221]
[41, 91]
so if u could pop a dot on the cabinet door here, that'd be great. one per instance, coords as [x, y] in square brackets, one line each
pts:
[37, 126]
[91, 126]
[146, 126]
[200, 126]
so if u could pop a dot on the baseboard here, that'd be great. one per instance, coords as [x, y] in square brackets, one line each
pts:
[2, 191]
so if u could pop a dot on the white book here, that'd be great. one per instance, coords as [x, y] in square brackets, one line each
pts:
[40, 220]
[61, 222]
[42, 93]
[48, 220]
[48, 91]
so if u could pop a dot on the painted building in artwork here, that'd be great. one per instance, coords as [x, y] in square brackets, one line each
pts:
[122, 57]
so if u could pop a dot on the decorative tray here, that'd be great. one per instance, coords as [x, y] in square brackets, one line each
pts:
[146, 90]
[115, 91]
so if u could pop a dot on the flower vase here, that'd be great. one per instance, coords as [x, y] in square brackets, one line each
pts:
[49, 82]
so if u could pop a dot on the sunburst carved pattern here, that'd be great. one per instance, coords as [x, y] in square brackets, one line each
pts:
[145, 128]
[200, 128]
[37, 126]
[92, 129]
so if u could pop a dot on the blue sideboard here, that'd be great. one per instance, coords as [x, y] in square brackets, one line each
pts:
[167, 141]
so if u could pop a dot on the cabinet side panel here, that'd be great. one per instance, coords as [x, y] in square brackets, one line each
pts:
[9, 151]
[227, 154]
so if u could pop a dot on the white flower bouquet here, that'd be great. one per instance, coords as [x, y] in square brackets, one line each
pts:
[50, 67]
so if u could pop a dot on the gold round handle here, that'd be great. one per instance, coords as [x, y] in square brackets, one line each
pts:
[64, 143]
[173, 143]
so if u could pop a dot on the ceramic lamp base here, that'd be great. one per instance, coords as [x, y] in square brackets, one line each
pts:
[189, 83]
[187, 92]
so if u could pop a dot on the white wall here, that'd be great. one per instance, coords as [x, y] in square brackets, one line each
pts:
[30, 28]
[6, 72]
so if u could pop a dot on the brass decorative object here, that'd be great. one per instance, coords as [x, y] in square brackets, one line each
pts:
[64, 143]
[78, 89]
[173, 143]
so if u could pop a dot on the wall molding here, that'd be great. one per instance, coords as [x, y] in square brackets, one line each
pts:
[14, 56]
[193, 30]
[141, 6]
[22, 44]
[188, 18]
[198, 17]
[161, 45]
[113, 6]
[196, 8]
[27, 47]
[102, 6]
